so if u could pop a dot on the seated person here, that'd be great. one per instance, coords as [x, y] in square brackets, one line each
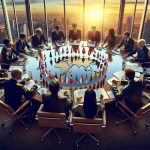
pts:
[132, 93]
[75, 34]
[58, 36]
[22, 43]
[9, 55]
[90, 108]
[127, 42]
[38, 39]
[141, 53]
[14, 91]
[110, 38]
[54, 103]
[93, 35]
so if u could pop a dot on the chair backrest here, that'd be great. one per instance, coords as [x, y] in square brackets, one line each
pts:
[143, 110]
[6, 108]
[51, 119]
[84, 125]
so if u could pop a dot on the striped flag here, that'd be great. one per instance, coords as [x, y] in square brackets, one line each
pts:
[60, 79]
[77, 80]
[71, 79]
[66, 79]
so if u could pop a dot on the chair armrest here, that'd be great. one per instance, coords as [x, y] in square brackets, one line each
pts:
[125, 109]
[23, 108]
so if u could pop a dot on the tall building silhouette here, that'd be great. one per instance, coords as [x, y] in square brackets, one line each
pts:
[146, 33]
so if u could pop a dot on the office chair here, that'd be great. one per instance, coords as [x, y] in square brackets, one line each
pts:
[131, 116]
[16, 115]
[88, 127]
[52, 121]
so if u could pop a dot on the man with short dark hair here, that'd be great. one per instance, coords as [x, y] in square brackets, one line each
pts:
[22, 43]
[93, 35]
[127, 42]
[74, 34]
[132, 93]
[57, 35]
[53, 102]
[9, 55]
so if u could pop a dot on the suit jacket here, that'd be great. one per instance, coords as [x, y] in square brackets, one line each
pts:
[57, 37]
[128, 45]
[131, 94]
[14, 92]
[54, 103]
[142, 54]
[96, 37]
[8, 56]
[20, 46]
[75, 36]
[38, 41]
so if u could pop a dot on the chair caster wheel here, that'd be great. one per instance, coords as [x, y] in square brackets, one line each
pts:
[134, 132]
[42, 140]
[98, 144]
[3, 124]
[77, 145]
[10, 131]
[146, 125]
[60, 141]
[117, 123]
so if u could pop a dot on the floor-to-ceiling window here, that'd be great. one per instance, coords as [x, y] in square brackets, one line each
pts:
[13, 23]
[93, 15]
[128, 15]
[146, 31]
[37, 10]
[3, 32]
[55, 15]
[138, 17]
[21, 16]
[111, 15]
[74, 14]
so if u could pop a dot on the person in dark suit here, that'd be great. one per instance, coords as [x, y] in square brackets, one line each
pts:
[141, 53]
[93, 35]
[22, 43]
[8, 54]
[132, 93]
[110, 39]
[14, 91]
[38, 39]
[75, 34]
[57, 35]
[54, 103]
[127, 42]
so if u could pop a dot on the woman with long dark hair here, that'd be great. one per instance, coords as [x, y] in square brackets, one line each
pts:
[110, 38]
[90, 108]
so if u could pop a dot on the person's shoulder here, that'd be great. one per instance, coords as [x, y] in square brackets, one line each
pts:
[4, 48]
[63, 98]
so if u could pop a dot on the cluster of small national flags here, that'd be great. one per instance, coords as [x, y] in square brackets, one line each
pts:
[76, 79]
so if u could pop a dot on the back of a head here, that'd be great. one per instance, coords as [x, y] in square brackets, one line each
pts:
[129, 73]
[54, 87]
[16, 73]
[141, 43]
[38, 31]
[90, 105]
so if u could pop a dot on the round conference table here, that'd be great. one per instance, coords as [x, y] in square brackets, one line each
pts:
[31, 64]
